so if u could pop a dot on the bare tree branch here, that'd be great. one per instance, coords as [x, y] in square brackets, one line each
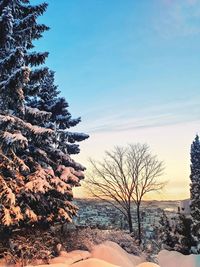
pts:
[126, 175]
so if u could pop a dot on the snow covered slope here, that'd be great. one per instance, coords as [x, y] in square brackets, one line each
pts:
[175, 259]
[110, 254]
[113, 253]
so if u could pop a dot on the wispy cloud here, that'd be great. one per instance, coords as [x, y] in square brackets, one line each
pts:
[156, 116]
[171, 2]
[178, 18]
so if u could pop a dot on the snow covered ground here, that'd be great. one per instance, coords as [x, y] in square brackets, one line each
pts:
[176, 259]
[110, 254]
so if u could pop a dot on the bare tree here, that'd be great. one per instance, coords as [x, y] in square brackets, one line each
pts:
[126, 175]
[145, 169]
[110, 181]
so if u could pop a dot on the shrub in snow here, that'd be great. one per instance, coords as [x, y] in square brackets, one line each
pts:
[32, 246]
[86, 238]
[28, 246]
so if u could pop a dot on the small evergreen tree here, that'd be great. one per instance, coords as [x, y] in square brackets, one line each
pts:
[36, 177]
[183, 235]
[165, 235]
[195, 191]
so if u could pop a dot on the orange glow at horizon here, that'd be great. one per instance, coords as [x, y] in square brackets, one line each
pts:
[170, 143]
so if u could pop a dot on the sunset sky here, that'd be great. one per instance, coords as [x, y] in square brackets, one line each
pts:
[131, 70]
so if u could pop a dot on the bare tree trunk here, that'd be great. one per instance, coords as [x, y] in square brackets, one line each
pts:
[130, 223]
[139, 224]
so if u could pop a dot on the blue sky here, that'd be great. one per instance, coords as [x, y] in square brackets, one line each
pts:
[130, 69]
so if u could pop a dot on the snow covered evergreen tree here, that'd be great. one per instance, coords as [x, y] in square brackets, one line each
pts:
[48, 99]
[182, 235]
[36, 177]
[165, 235]
[195, 190]
[25, 30]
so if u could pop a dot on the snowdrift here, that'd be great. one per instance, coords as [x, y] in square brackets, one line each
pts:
[93, 263]
[175, 259]
[114, 254]
[110, 254]
[148, 264]
[69, 258]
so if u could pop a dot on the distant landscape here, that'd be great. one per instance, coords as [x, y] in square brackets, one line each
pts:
[162, 204]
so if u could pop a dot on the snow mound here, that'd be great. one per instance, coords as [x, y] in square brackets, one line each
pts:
[110, 254]
[175, 259]
[46, 265]
[71, 257]
[93, 263]
[83, 254]
[63, 260]
[148, 264]
[114, 254]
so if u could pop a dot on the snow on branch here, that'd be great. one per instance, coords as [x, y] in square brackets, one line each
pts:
[68, 174]
[14, 140]
[37, 9]
[38, 182]
[7, 220]
[6, 195]
[36, 59]
[35, 113]
[66, 121]
[31, 215]
[64, 158]
[64, 215]
[10, 61]
[21, 75]
[73, 137]
[38, 74]
[25, 23]
[7, 121]
[61, 186]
